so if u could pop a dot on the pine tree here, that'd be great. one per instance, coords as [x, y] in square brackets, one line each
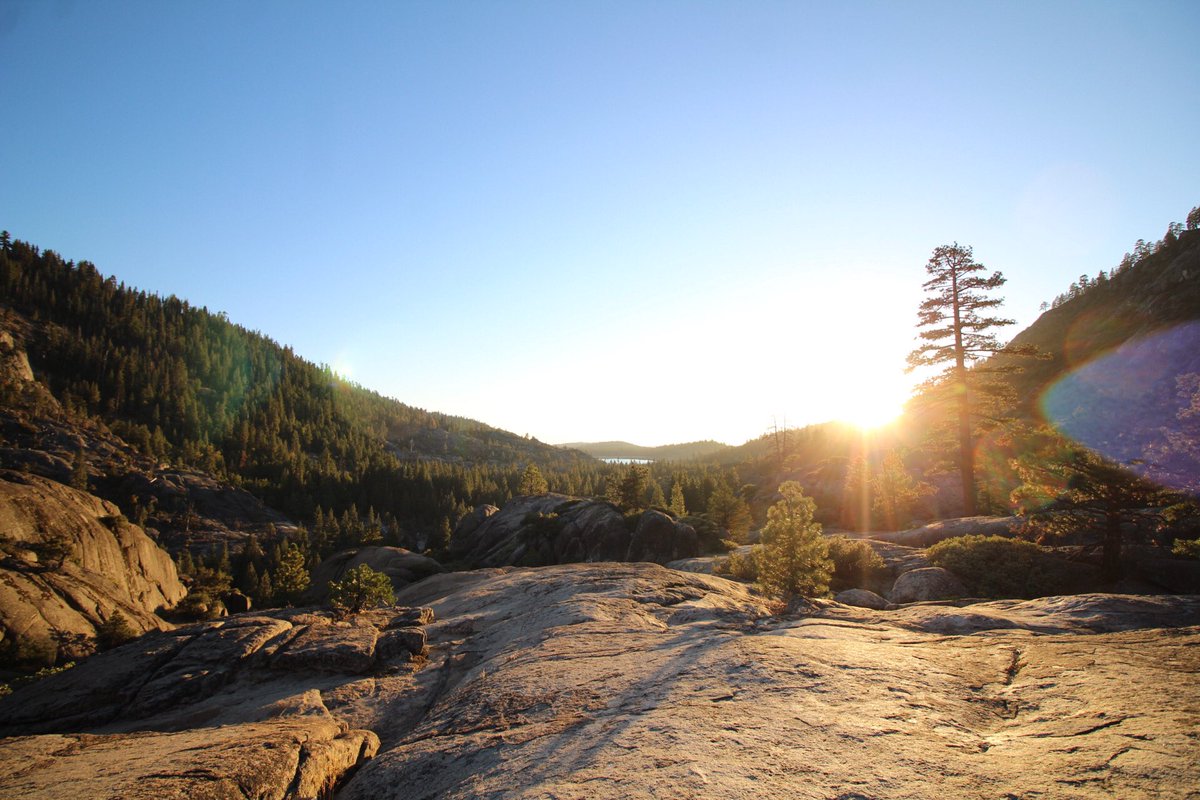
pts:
[728, 511]
[114, 631]
[359, 589]
[633, 486]
[264, 594]
[291, 576]
[794, 559]
[678, 507]
[247, 582]
[79, 472]
[373, 529]
[956, 325]
[894, 492]
[441, 540]
[856, 495]
[653, 496]
[1067, 489]
[532, 481]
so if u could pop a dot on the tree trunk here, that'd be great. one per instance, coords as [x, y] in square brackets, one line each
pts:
[966, 448]
[1110, 565]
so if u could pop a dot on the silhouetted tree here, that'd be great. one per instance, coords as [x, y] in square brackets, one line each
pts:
[1068, 489]
[956, 324]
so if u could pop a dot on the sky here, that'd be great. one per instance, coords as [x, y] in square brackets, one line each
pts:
[650, 221]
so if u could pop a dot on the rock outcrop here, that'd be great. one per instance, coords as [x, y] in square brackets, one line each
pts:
[628, 681]
[401, 566]
[546, 529]
[934, 532]
[100, 563]
[229, 709]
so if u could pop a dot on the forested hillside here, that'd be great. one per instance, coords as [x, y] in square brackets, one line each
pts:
[187, 386]
[1123, 372]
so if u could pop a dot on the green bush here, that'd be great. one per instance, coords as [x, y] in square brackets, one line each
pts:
[743, 566]
[360, 588]
[114, 632]
[1189, 548]
[993, 566]
[856, 565]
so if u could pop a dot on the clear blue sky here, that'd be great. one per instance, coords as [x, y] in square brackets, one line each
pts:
[656, 221]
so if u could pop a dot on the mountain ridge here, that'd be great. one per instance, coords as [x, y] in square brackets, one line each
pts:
[666, 452]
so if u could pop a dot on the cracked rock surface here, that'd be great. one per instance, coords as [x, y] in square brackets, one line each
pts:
[629, 680]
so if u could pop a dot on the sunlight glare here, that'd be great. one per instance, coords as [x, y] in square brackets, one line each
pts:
[867, 411]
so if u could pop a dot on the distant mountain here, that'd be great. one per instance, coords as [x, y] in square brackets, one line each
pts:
[667, 452]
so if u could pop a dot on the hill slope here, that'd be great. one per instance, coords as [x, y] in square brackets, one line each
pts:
[1124, 372]
[183, 384]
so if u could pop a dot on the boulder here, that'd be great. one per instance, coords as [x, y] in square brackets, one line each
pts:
[547, 529]
[862, 598]
[400, 644]
[401, 566]
[471, 521]
[160, 679]
[660, 539]
[236, 603]
[927, 583]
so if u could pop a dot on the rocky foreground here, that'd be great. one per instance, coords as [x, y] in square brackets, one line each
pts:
[628, 680]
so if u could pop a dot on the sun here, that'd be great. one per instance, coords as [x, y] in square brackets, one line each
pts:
[867, 411]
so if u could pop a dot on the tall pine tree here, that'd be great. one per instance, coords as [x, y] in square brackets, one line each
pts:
[956, 325]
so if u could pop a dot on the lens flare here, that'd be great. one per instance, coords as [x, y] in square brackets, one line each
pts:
[1132, 405]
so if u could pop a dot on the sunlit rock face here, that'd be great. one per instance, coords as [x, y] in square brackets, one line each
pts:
[630, 680]
[107, 564]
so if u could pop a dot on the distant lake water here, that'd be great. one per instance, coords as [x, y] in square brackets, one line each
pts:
[628, 460]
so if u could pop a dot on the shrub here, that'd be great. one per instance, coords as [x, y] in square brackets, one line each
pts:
[114, 632]
[743, 566]
[993, 566]
[360, 588]
[856, 565]
[202, 600]
[1189, 548]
